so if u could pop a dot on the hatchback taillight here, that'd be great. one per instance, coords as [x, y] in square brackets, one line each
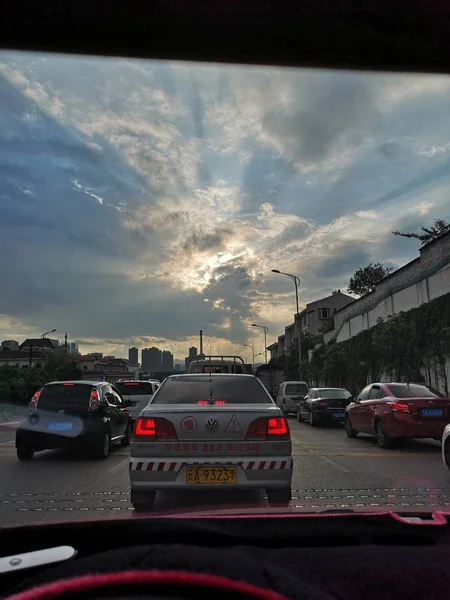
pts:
[158, 429]
[268, 428]
[34, 400]
[94, 402]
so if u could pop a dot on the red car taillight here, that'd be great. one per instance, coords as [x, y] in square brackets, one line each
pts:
[399, 407]
[35, 399]
[158, 429]
[321, 404]
[93, 400]
[267, 428]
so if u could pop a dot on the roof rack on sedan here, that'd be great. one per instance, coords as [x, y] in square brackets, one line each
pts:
[217, 363]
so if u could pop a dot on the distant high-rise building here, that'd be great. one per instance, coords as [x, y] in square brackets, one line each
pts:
[151, 360]
[192, 354]
[133, 355]
[73, 348]
[97, 355]
[177, 367]
[167, 362]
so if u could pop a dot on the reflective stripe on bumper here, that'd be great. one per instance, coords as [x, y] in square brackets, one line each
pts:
[175, 466]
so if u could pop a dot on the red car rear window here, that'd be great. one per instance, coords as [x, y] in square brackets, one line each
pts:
[414, 390]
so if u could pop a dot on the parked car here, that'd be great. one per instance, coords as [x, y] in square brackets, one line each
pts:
[289, 394]
[323, 405]
[138, 393]
[393, 411]
[210, 431]
[74, 414]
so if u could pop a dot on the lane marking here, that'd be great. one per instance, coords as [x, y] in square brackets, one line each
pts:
[370, 454]
[7, 443]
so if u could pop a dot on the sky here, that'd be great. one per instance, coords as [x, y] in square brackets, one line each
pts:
[142, 201]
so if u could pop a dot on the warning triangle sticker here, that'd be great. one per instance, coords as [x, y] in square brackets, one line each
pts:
[233, 426]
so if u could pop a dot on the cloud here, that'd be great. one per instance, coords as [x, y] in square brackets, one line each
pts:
[133, 191]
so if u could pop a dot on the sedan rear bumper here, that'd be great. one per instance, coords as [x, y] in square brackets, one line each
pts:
[158, 473]
[329, 415]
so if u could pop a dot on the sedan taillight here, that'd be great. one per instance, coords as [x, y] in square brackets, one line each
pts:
[268, 428]
[158, 429]
[321, 404]
[399, 407]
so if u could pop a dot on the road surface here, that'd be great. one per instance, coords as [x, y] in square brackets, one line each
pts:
[330, 471]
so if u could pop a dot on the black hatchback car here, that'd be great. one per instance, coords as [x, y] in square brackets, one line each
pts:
[88, 415]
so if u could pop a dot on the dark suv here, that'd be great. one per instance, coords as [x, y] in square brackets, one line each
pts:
[89, 415]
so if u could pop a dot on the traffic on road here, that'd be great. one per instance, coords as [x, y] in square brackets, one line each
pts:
[219, 437]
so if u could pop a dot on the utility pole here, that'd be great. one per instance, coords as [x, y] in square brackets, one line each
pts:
[30, 360]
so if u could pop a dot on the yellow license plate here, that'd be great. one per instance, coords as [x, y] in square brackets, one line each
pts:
[211, 475]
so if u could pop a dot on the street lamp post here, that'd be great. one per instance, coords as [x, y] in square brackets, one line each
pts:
[266, 331]
[47, 332]
[296, 281]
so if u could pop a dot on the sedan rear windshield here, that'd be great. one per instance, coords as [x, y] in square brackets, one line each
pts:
[135, 388]
[70, 397]
[228, 389]
[296, 389]
[413, 390]
[334, 393]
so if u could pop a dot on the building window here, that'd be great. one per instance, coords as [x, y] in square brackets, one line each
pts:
[324, 313]
[85, 367]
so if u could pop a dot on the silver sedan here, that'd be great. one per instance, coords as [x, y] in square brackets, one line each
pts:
[210, 431]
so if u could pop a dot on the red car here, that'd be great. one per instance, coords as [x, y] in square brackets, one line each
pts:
[393, 411]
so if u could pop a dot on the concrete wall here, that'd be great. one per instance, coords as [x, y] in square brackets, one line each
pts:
[420, 281]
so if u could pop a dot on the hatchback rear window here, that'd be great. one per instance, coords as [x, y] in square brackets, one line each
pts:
[296, 389]
[195, 389]
[413, 390]
[70, 397]
[135, 388]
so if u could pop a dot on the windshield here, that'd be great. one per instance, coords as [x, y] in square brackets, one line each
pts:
[333, 393]
[296, 389]
[414, 391]
[135, 388]
[226, 390]
[294, 224]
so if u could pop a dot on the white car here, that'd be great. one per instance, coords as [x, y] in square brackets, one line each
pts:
[289, 394]
[139, 393]
[210, 432]
[446, 446]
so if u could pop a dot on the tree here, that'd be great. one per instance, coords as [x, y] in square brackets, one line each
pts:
[428, 233]
[60, 367]
[365, 279]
